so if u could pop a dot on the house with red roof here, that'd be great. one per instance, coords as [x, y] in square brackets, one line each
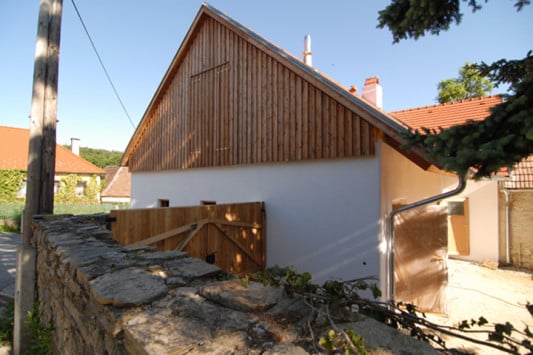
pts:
[14, 143]
[236, 118]
[491, 218]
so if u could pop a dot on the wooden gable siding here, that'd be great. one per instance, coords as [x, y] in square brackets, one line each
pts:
[227, 102]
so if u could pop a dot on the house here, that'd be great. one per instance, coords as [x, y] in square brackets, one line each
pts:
[238, 119]
[14, 143]
[489, 220]
[117, 185]
[516, 216]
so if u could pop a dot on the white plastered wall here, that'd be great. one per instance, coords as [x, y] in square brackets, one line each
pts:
[322, 216]
[483, 220]
[405, 181]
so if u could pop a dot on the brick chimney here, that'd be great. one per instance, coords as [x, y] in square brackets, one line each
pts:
[373, 91]
[75, 146]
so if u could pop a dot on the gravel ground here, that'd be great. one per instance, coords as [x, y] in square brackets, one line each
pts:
[499, 295]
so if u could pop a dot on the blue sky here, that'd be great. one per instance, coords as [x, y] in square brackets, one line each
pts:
[138, 39]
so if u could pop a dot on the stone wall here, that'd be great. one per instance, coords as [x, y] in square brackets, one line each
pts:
[520, 228]
[103, 298]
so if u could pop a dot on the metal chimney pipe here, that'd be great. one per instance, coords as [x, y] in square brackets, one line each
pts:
[75, 146]
[307, 54]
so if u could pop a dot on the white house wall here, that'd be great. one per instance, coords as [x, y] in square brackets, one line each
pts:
[322, 216]
[405, 182]
[483, 221]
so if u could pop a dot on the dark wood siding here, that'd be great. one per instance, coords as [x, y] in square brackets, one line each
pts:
[227, 102]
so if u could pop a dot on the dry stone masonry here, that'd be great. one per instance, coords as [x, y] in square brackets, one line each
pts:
[104, 298]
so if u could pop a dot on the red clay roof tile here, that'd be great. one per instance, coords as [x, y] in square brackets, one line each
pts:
[449, 114]
[14, 145]
[521, 176]
[459, 112]
[118, 182]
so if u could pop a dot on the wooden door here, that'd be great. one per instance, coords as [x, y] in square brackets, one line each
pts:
[420, 270]
[458, 228]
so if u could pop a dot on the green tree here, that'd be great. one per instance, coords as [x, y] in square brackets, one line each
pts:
[100, 157]
[469, 84]
[506, 136]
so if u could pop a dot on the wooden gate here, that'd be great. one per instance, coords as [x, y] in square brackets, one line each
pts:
[232, 236]
[420, 269]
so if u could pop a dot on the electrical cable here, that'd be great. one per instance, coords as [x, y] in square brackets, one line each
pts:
[102, 64]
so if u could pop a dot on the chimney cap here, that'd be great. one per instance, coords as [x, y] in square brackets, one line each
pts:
[372, 80]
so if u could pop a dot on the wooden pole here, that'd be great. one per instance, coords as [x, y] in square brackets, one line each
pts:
[41, 159]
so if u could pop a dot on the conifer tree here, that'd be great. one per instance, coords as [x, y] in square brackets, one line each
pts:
[506, 136]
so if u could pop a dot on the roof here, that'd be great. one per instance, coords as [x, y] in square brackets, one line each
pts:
[388, 124]
[14, 146]
[117, 182]
[460, 112]
[521, 176]
[448, 114]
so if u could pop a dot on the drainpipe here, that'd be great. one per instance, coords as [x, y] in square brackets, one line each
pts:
[390, 228]
[507, 226]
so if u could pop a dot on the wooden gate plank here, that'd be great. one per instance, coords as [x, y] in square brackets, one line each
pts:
[233, 239]
[191, 234]
[170, 233]
[242, 235]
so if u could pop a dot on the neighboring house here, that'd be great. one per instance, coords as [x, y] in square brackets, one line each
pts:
[117, 185]
[491, 219]
[238, 119]
[14, 147]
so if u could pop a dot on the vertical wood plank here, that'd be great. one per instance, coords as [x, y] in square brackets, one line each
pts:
[319, 142]
[269, 110]
[286, 115]
[333, 128]
[305, 121]
[293, 120]
[312, 123]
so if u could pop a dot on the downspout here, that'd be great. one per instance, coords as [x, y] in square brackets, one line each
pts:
[390, 228]
[507, 226]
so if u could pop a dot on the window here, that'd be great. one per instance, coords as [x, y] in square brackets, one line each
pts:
[456, 208]
[22, 192]
[80, 188]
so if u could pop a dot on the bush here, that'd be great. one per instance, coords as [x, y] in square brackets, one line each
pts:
[6, 323]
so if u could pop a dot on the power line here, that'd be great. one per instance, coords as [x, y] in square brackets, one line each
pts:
[102, 64]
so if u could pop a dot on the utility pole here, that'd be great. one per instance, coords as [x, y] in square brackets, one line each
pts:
[41, 160]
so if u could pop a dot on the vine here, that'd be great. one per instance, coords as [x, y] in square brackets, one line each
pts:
[10, 184]
[67, 190]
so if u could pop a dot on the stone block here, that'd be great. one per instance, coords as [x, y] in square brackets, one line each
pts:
[127, 287]
[190, 268]
[255, 297]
